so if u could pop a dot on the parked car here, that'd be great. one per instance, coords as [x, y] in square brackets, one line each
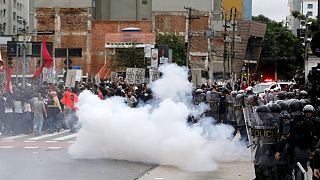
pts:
[283, 86]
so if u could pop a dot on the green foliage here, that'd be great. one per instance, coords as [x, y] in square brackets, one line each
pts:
[298, 15]
[132, 57]
[176, 43]
[280, 46]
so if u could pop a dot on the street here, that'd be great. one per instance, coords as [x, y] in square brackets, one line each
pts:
[31, 164]
[46, 157]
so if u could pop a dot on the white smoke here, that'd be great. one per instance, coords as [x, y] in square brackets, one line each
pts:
[156, 133]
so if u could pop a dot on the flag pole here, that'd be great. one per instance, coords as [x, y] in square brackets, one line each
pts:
[41, 61]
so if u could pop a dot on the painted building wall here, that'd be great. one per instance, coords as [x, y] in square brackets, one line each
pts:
[227, 5]
[310, 8]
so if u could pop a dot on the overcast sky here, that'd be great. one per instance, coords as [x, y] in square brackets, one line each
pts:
[274, 9]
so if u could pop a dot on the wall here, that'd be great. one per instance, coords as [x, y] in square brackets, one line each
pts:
[123, 10]
[228, 4]
[72, 28]
[99, 28]
[178, 5]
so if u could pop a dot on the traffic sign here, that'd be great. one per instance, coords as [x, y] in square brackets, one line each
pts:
[49, 32]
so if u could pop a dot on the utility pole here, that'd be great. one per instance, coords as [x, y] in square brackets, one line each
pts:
[17, 60]
[189, 33]
[210, 43]
[24, 54]
[225, 54]
[306, 45]
[233, 17]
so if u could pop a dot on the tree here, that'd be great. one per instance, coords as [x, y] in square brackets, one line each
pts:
[132, 57]
[176, 43]
[280, 48]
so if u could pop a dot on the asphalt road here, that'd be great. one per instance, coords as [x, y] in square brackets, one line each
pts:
[50, 164]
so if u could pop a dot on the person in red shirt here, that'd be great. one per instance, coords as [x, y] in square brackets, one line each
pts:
[69, 100]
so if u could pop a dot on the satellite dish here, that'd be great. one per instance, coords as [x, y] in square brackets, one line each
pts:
[315, 44]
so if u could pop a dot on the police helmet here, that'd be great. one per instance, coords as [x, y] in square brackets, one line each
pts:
[290, 95]
[308, 108]
[303, 101]
[303, 93]
[276, 108]
[239, 96]
[234, 93]
[263, 109]
[295, 107]
[281, 96]
[282, 104]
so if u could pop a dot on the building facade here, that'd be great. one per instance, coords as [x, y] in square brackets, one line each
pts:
[244, 8]
[71, 22]
[292, 22]
[12, 14]
[310, 8]
[123, 10]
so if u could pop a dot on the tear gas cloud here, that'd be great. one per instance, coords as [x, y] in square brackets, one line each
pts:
[155, 133]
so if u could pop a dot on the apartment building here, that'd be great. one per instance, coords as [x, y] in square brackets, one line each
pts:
[12, 15]
[310, 8]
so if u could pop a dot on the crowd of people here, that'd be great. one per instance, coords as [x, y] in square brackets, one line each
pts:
[280, 125]
[51, 108]
[288, 116]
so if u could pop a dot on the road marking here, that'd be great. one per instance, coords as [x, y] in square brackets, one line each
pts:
[54, 147]
[51, 141]
[31, 147]
[29, 141]
[6, 147]
[46, 136]
[15, 137]
[65, 137]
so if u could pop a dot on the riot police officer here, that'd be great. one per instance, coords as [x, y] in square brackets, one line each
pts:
[264, 130]
[299, 140]
[309, 113]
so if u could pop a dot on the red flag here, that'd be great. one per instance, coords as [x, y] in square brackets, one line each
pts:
[47, 60]
[38, 72]
[8, 86]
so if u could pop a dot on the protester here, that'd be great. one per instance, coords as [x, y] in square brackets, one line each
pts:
[40, 112]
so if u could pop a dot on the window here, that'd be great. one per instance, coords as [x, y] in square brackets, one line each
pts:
[144, 1]
[14, 29]
[4, 13]
[310, 6]
[4, 1]
[4, 26]
[14, 3]
[309, 13]
[0, 15]
[14, 16]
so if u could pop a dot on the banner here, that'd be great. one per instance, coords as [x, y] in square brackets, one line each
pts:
[114, 76]
[71, 78]
[140, 74]
[48, 75]
[153, 75]
[154, 58]
[135, 75]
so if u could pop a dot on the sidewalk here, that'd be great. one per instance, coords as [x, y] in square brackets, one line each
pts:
[240, 170]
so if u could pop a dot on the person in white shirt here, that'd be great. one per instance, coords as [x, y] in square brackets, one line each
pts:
[18, 122]
[27, 116]
[8, 114]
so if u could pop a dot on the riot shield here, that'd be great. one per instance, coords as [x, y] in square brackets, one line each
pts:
[264, 132]
[264, 127]
[248, 118]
